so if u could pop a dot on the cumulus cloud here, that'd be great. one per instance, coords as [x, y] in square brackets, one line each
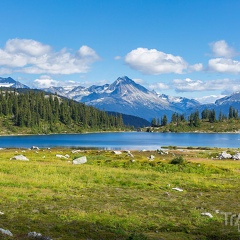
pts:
[152, 61]
[209, 99]
[117, 57]
[224, 65]
[30, 56]
[196, 67]
[160, 86]
[45, 82]
[189, 85]
[221, 49]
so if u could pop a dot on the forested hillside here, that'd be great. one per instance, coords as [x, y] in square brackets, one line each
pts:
[36, 112]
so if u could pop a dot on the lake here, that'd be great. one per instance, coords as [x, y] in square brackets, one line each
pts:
[123, 140]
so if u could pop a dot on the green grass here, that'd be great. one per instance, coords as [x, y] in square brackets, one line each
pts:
[111, 197]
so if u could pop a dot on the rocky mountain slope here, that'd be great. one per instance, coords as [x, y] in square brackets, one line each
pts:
[127, 97]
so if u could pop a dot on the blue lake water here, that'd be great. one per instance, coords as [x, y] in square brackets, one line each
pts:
[123, 140]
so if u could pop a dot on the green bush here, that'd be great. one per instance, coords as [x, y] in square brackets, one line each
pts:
[177, 160]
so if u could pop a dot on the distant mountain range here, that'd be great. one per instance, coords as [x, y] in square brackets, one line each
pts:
[9, 82]
[127, 97]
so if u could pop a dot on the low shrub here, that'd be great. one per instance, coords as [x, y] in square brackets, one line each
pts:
[177, 160]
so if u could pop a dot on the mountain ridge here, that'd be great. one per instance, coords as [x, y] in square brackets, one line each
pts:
[128, 97]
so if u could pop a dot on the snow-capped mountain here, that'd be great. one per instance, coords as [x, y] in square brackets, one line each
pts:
[9, 82]
[233, 98]
[126, 96]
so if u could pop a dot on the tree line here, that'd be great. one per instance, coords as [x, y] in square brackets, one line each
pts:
[38, 110]
[194, 120]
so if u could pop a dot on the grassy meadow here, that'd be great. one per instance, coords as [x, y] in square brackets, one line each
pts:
[113, 197]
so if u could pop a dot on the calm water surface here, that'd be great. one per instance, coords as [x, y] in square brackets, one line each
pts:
[125, 140]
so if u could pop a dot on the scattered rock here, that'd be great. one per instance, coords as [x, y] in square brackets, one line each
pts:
[19, 157]
[1, 213]
[67, 156]
[178, 189]
[80, 160]
[38, 236]
[117, 152]
[207, 214]
[35, 148]
[236, 156]
[6, 232]
[162, 152]
[77, 151]
[60, 156]
[129, 154]
[132, 160]
[151, 158]
[224, 155]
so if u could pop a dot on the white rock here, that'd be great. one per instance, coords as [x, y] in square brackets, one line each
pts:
[7, 232]
[207, 214]
[1, 213]
[224, 155]
[80, 160]
[35, 148]
[67, 156]
[178, 189]
[117, 152]
[34, 234]
[236, 156]
[60, 156]
[77, 151]
[19, 157]
[151, 157]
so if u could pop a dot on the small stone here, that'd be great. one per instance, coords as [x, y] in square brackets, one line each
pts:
[178, 189]
[60, 156]
[151, 158]
[207, 214]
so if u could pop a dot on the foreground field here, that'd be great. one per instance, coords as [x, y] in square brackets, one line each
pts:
[113, 197]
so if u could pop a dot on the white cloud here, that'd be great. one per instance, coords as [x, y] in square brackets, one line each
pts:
[152, 61]
[189, 85]
[160, 86]
[138, 80]
[117, 57]
[196, 67]
[224, 65]
[221, 49]
[45, 82]
[29, 56]
[209, 99]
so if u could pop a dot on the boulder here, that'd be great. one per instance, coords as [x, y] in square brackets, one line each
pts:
[117, 152]
[224, 155]
[6, 232]
[35, 148]
[80, 160]
[236, 156]
[151, 158]
[19, 157]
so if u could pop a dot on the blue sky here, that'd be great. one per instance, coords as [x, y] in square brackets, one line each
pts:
[187, 47]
